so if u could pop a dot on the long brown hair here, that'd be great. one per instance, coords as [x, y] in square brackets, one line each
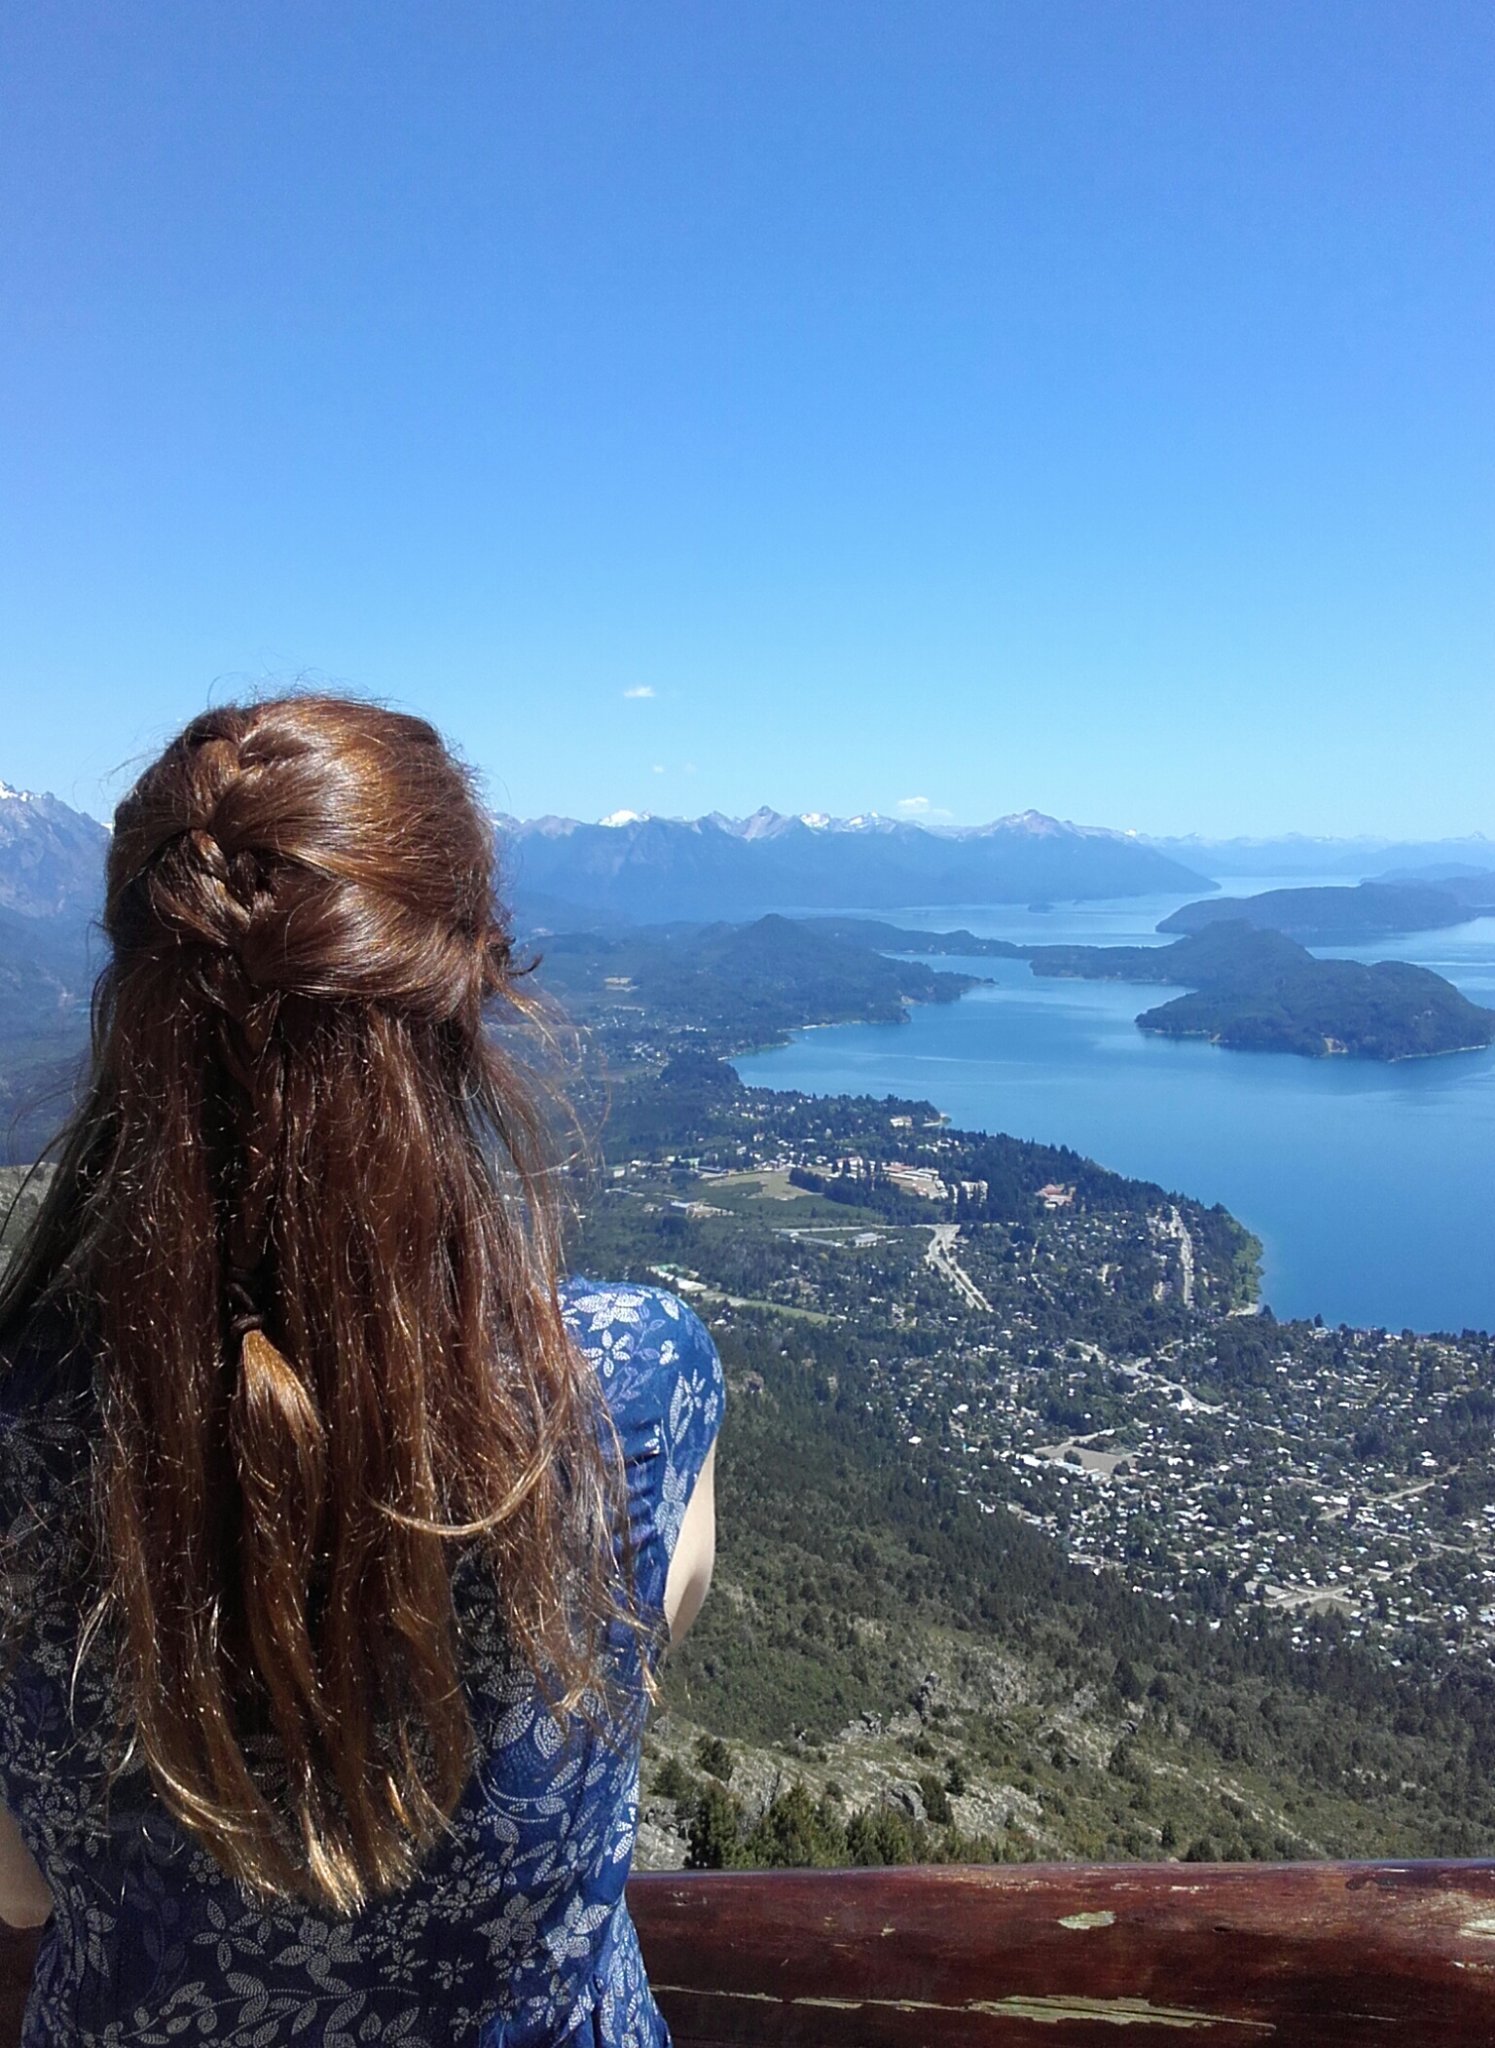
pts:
[306, 1218]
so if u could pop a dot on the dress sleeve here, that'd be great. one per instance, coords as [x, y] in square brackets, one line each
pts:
[664, 1387]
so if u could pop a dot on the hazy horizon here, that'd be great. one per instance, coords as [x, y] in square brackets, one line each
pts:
[921, 817]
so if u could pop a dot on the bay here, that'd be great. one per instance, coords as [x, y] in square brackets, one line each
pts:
[1371, 1186]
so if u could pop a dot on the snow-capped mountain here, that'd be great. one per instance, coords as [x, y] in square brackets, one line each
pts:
[636, 866]
[51, 857]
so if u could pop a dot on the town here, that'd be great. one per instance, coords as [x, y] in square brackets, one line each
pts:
[1082, 1368]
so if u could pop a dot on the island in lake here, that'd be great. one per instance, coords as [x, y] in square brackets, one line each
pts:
[1260, 991]
[1348, 916]
[1253, 990]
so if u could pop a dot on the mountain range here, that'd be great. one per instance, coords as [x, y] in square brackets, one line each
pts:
[631, 867]
[635, 867]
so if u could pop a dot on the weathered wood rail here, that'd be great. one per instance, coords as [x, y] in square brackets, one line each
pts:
[1304, 1955]
[1298, 1955]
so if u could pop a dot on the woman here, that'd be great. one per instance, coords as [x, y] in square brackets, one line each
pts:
[343, 1539]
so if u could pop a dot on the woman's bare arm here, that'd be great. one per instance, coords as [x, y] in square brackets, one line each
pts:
[25, 1900]
[695, 1553]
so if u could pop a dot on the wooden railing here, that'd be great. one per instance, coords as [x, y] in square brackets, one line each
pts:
[1299, 1955]
[1303, 1955]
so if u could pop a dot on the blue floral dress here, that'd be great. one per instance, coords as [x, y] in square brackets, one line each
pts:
[515, 1934]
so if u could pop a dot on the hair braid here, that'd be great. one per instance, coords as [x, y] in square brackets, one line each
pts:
[226, 883]
[276, 1430]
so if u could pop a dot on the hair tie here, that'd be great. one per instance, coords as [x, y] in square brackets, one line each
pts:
[247, 1315]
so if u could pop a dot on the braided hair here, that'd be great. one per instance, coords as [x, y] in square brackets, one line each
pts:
[306, 1218]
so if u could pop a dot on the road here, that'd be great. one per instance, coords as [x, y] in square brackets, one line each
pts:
[941, 1256]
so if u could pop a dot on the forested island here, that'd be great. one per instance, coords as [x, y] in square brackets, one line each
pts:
[1346, 916]
[1259, 991]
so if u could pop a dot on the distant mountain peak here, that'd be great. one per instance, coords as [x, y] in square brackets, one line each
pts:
[549, 827]
[1036, 821]
[765, 823]
[1039, 825]
[615, 820]
[51, 856]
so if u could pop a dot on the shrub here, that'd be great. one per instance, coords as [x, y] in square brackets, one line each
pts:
[714, 1757]
[715, 1834]
[936, 1799]
[673, 1781]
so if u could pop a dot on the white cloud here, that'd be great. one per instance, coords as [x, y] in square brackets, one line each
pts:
[912, 803]
[659, 767]
[921, 807]
[640, 690]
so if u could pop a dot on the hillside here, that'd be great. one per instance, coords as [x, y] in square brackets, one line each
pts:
[892, 938]
[1027, 1576]
[754, 981]
[46, 974]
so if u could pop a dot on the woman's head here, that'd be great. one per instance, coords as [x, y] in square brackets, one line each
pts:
[305, 1217]
[310, 846]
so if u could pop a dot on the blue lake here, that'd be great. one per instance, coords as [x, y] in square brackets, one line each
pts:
[1372, 1187]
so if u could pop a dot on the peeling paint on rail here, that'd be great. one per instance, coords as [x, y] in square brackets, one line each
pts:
[1115, 2012]
[1045, 2011]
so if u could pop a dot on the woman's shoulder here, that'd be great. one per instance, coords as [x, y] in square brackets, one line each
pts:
[604, 1314]
[654, 1357]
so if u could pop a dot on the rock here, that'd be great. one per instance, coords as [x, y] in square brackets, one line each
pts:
[662, 1814]
[658, 1848]
[908, 1799]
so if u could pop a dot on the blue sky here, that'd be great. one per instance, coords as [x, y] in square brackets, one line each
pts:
[1083, 404]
